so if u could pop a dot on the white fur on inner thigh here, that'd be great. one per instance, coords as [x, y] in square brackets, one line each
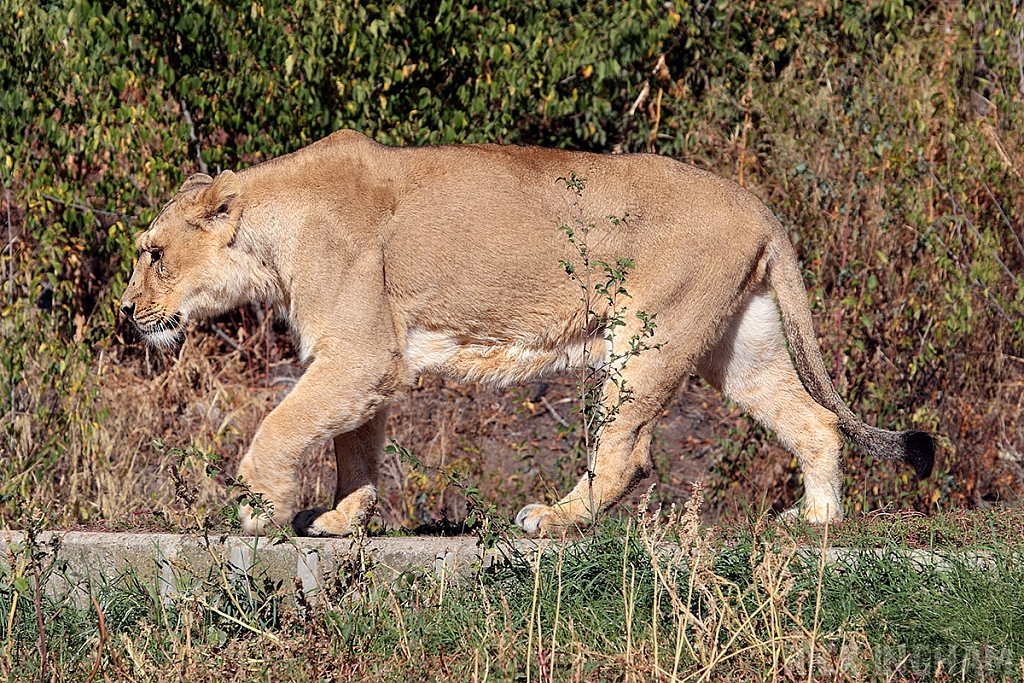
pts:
[428, 351]
[752, 340]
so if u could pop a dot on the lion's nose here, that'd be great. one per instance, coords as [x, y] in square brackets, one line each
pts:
[127, 309]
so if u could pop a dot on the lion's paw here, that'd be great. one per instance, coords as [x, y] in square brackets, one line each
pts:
[822, 512]
[252, 525]
[536, 518]
[348, 518]
[815, 513]
[790, 514]
[303, 523]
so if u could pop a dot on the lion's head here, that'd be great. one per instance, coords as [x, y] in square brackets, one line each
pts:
[186, 268]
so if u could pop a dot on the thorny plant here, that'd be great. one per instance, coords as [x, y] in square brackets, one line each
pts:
[28, 569]
[600, 375]
[240, 599]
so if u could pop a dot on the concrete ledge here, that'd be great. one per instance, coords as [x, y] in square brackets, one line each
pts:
[84, 563]
[943, 561]
[174, 566]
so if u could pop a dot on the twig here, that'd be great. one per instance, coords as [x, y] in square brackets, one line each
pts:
[659, 71]
[192, 136]
[657, 119]
[42, 629]
[644, 92]
[82, 207]
[170, 661]
[220, 333]
[238, 622]
[899, 666]
[10, 299]
[103, 638]
[551, 409]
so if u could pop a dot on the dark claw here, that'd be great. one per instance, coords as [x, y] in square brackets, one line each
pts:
[302, 523]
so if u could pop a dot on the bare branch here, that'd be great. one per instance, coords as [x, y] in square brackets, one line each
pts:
[192, 136]
[84, 208]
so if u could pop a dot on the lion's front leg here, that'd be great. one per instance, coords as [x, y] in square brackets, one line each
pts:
[327, 400]
[355, 498]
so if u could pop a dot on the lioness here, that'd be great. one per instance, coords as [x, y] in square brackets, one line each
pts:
[391, 262]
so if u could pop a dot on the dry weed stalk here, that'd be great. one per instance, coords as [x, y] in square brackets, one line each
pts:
[678, 547]
[758, 626]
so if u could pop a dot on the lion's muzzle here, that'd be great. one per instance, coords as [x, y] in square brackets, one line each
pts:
[157, 329]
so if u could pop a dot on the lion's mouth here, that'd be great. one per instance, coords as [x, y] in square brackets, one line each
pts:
[164, 332]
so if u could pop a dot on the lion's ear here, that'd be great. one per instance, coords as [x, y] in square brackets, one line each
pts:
[221, 203]
[195, 180]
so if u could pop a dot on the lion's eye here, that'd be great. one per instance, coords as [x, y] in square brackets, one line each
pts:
[155, 254]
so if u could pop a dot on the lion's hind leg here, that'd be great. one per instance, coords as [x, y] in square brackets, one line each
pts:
[751, 365]
[355, 500]
[623, 457]
[623, 461]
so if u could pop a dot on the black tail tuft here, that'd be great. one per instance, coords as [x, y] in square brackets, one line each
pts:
[920, 452]
[917, 449]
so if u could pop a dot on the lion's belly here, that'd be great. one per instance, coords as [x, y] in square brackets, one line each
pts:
[492, 361]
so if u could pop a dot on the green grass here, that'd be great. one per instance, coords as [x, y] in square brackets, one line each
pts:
[992, 528]
[637, 599]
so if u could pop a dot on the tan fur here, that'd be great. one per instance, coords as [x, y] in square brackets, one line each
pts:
[389, 262]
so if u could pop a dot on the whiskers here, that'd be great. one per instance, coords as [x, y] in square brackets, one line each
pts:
[167, 332]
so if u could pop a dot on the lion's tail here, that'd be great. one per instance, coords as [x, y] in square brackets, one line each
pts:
[912, 447]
